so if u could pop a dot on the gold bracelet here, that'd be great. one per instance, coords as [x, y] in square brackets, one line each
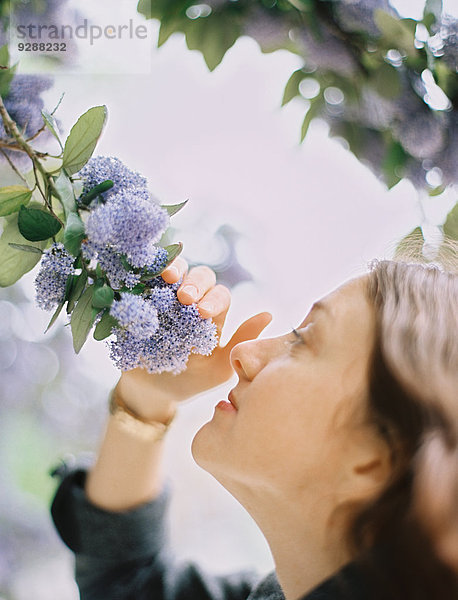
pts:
[133, 424]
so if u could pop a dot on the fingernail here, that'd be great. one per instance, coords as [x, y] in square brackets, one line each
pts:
[173, 271]
[208, 307]
[190, 290]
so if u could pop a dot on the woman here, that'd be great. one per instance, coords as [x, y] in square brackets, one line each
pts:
[340, 439]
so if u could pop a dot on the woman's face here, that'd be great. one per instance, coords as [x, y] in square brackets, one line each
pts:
[299, 402]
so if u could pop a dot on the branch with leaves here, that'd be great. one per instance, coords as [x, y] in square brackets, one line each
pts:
[96, 230]
[386, 85]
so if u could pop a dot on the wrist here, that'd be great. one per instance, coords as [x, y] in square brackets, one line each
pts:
[133, 424]
[137, 392]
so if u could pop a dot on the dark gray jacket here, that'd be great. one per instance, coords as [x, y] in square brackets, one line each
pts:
[125, 556]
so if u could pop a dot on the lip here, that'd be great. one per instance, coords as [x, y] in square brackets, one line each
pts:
[231, 399]
[228, 405]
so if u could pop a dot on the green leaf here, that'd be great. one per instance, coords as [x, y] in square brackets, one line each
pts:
[69, 285]
[36, 224]
[136, 290]
[173, 251]
[26, 248]
[213, 36]
[51, 124]
[12, 198]
[450, 226]
[82, 319]
[428, 21]
[66, 193]
[146, 8]
[397, 33]
[96, 190]
[78, 285]
[103, 297]
[393, 164]
[313, 111]
[54, 317]
[385, 81]
[411, 246]
[125, 263]
[74, 234]
[83, 138]
[446, 79]
[104, 327]
[292, 86]
[6, 75]
[14, 262]
[169, 26]
[172, 209]
[437, 191]
[433, 8]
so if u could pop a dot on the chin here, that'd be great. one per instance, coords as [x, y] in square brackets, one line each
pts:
[200, 447]
[207, 449]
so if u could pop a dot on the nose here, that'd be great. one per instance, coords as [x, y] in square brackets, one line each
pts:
[250, 357]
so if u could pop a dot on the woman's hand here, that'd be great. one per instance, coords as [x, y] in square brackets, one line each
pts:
[127, 472]
[154, 396]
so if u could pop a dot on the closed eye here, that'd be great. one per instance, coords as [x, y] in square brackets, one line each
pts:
[298, 339]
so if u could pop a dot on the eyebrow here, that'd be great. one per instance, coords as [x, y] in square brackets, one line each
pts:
[316, 306]
[320, 305]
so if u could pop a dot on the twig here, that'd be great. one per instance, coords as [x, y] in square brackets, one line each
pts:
[36, 134]
[13, 146]
[58, 104]
[43, 127]
[12, 165]
[12, 129]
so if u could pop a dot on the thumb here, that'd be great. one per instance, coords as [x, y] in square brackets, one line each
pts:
[249, 329]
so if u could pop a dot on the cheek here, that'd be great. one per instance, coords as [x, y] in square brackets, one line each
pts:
[298, 436]
[286, 440]
[281, 436]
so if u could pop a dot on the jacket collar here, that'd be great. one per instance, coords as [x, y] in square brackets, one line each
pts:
[348, 584]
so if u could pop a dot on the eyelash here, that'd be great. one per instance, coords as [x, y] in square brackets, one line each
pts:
[298, 338]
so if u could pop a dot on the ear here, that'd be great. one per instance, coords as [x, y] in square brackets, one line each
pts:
[369, 465]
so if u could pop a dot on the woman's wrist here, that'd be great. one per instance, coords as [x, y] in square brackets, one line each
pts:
[137, 392]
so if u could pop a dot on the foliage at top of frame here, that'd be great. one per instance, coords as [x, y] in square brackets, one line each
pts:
[387, 86]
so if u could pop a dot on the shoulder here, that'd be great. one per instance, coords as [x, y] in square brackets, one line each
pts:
[267, 589]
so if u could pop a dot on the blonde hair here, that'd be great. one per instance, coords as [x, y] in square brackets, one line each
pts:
[413, 399]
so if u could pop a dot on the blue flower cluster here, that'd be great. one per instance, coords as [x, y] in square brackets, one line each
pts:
[153, 329]
[126, 224]
[55, 267]
[136, 315]
[24, 105]
[130, 224]
[110, 262]
[449, 35]
[101, 168]
[181, 331]
[358, 15]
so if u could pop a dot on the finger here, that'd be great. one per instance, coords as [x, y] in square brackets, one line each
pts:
[215, 303]
[249, 330]
[196, 284]
[175, 271]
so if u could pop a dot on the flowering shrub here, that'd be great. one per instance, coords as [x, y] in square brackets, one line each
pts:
[386, 85]
[96, 231]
